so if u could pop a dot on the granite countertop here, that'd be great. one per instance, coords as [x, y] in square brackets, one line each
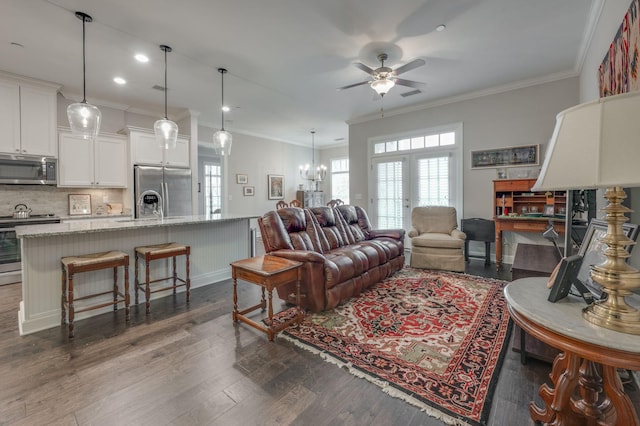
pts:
[100, 225]
[529, 297]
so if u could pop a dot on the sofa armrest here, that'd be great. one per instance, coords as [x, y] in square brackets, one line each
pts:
[396, 234]
[299, 255]
[413, 232]
[456, 233]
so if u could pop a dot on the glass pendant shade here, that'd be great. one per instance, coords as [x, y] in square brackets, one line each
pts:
[222, 141]
[382, 86]
[166, 133]
[84, 120]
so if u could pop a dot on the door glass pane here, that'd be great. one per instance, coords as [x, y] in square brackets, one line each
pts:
[212, 188]
[389, 194]
[431, 141]
[404, 144]
[448, 138]
[433, 181]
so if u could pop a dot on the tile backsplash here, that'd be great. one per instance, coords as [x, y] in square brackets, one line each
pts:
[50, 199]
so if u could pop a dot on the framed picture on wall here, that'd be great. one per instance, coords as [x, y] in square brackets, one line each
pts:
[242, 179]
[592, 250]
[79, 204]
[515, 156]
[248, 190]
[275, 186]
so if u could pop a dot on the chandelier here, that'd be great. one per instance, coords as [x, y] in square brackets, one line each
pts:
[310, 172]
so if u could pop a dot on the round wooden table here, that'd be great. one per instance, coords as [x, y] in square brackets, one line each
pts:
[586, 386]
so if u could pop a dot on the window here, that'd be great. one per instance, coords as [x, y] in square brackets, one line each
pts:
[416, 142]
[433, 181]
[340, 179]
[212, 187]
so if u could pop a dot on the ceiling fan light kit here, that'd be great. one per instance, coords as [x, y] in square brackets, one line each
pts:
[166, 131]
[222, 139]
[382, 86]
[84, 118]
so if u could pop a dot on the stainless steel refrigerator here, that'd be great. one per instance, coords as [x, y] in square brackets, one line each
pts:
[173, 185]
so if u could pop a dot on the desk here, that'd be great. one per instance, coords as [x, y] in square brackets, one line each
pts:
[522, 224]
[586, 387]
[269, 272]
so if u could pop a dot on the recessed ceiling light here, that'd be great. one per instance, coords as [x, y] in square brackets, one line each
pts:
[226, 108]
[141, 58]
[441, 27]
[119, 80]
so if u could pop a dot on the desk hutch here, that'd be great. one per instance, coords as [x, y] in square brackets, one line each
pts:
[518, 209]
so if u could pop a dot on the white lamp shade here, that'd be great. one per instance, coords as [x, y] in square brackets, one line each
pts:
[166, 133]
[594, 145]
[222, 141]
[382, 86]
[84, 120]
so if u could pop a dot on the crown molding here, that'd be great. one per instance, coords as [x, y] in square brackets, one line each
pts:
[466, 96]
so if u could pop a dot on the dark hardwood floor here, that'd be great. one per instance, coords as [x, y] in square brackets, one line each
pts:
[194, 366]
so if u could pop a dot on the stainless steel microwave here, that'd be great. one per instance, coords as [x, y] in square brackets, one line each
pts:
[27, 170]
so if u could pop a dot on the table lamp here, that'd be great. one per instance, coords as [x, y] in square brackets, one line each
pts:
[597, 145]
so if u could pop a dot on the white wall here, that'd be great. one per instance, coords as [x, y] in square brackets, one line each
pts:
[258, 157]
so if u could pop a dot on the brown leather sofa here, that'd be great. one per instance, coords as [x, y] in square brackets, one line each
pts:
[342, 255]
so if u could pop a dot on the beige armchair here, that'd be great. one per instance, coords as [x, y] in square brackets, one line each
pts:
[436, 243]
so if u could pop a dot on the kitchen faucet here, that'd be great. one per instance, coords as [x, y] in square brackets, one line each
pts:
[158, 210]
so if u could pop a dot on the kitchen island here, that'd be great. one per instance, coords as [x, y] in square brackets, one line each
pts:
[216, 241]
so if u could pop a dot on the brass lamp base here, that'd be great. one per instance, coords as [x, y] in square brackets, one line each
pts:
[615, 276]
[624, 319]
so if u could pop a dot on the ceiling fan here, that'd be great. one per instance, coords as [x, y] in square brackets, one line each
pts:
[384, 78]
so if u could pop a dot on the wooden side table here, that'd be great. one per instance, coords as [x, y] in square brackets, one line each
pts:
[586, 387]
[269, 272]
[533, 260]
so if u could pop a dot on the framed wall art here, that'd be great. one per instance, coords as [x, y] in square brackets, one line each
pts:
[79, 204]
[516, 156]
[275, 186]
[248, 191]
[592, 250]
[242, 179]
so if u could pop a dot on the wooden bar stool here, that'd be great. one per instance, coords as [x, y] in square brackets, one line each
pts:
[162, 251]
[93, 262]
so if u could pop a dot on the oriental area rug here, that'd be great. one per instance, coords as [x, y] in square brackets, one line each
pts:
[433, 339]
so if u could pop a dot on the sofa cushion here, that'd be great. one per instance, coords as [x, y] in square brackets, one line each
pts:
[436, 240]
[302, 233]
[330, 235]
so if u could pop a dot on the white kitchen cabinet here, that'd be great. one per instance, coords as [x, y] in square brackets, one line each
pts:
[27, 119]
[145, 150]
[102, 163]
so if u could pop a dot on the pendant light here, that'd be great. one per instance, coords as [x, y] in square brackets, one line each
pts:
[222, 139]
[166, 130]
[84, 118]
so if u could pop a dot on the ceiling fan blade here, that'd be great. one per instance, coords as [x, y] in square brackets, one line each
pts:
[352, 85]
[409, 83]
[364, 68]
[409, 66]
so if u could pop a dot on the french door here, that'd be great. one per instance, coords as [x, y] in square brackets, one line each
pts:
[401, 183]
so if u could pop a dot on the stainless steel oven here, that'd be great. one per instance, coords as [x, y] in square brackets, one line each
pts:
[10, 260]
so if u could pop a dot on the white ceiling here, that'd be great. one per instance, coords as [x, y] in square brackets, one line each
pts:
[287, 57]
